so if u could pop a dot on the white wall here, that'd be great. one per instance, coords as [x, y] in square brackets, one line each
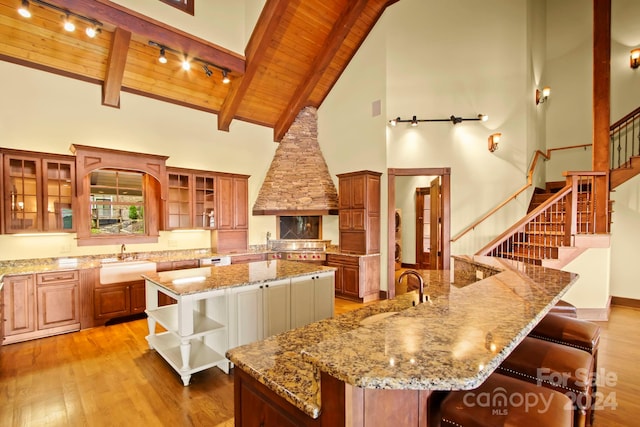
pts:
[625, 235]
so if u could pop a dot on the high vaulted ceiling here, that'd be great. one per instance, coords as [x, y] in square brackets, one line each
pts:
[296, 53]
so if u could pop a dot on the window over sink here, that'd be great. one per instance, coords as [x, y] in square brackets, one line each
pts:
[117, 202]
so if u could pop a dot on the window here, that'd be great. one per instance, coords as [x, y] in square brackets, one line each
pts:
[184, 5]
[117, 202]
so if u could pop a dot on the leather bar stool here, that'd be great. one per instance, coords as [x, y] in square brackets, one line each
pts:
[506, 401]
[564, 308]
[555, 366]
[574, 333]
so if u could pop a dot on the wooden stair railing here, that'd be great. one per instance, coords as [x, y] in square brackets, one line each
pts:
[625, 148]
[554, 224]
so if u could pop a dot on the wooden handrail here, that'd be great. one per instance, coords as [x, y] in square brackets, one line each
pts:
[529, 183]
[625, 118]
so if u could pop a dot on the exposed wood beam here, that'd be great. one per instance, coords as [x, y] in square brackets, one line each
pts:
[335, 39]
[145, 27]
[254, 53]
[115, 67]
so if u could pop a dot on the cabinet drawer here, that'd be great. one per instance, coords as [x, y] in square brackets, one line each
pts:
[342, 260]
[57, 277]
[188, 263]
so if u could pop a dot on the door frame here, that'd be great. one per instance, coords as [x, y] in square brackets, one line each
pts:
[445, 175]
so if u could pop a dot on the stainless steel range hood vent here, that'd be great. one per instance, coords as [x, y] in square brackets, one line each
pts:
[298, 181]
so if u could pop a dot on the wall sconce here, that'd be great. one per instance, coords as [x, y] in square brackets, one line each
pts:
[541, 96]
[453, 119]
[493, 141]
[634, 58]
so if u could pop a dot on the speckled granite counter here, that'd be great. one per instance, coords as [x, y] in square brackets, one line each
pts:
[203, 279]
[453, 342]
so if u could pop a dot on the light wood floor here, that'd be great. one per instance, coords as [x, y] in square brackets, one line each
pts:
[107, 376]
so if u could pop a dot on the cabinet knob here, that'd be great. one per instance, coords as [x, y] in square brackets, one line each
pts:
[266, 286]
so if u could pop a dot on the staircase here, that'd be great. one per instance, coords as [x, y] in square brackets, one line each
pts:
[562, 219]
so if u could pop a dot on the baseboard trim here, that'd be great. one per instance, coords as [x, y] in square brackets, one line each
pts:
[595, 314]
[625, 302]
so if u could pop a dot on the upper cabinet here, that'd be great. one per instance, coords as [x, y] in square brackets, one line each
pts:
[233, 214]
[359, 216]
[38, 192]
[191, 199]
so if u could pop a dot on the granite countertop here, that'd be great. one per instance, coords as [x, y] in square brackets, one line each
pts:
[454, 341]
[203, 279]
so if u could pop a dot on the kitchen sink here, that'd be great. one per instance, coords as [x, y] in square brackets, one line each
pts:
[125, 271]
[377, 317]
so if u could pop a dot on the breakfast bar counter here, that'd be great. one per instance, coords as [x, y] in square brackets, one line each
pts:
[452, 342]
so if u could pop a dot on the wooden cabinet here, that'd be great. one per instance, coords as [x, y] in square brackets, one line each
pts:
[245, 258]
[359, 215]
[232, 214]
[41, 305]
[118, 300]
[191, 199]
[38, 192]
[357, 277]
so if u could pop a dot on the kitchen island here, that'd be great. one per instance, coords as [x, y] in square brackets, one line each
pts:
[223, 306]
[363, 368]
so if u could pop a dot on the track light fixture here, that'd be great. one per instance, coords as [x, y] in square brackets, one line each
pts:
[453, 119]
[186, 65]
[68, 16]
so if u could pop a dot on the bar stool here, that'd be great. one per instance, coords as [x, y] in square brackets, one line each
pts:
[506, 401]
[555, 366]
[574, 333]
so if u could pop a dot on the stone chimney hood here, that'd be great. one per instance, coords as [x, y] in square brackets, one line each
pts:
[298, 181]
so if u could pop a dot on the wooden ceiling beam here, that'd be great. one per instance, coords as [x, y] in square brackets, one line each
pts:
[111, 13]
[335, 39]
[254, 53]
[115, 67]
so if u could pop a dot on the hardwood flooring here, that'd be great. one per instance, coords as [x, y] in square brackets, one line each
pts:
[107, 376]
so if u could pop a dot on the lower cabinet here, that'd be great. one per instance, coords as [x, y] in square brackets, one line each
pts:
[357, 276]
[40, 305]
[311, 298]
[118, 300]
[260, 311]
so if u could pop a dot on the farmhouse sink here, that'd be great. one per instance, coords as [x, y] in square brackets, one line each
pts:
[377, 317]
[125, 271]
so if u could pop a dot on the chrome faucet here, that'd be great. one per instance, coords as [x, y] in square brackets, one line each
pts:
[420, 283]
[268, 238]
[122, 249]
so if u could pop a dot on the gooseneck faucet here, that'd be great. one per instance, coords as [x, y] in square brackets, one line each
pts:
[420, 283]
[122, 249]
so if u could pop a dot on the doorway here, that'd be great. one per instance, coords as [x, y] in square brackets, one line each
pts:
[439, 231]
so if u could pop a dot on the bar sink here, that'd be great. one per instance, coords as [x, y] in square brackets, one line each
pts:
[125, 271]
[377, 317]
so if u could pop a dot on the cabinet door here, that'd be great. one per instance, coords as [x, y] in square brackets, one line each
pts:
[111, 301]
[302, 301]
[344, 189]
[58, 190]
[58, 305]
[358, 191]
[225, 203]
[179, 203]
[22, 194]
[254, 409]
[323, 296]
[276, 306]
[248, 315]
[20, 304]
[205, 201]
[241, 202]
[351, 280]
[137, 297]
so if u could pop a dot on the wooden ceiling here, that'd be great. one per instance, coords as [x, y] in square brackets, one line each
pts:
[297, 51]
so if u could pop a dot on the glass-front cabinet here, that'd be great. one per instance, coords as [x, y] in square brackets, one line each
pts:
[191, 200]
[38, 193]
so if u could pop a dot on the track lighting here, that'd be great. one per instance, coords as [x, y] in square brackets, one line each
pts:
[162, 58]
[186, 65]
[453, 119]
[68, 25]
[23, 10]
[68, 17]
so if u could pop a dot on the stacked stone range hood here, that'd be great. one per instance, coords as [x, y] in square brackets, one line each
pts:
[298, 181]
